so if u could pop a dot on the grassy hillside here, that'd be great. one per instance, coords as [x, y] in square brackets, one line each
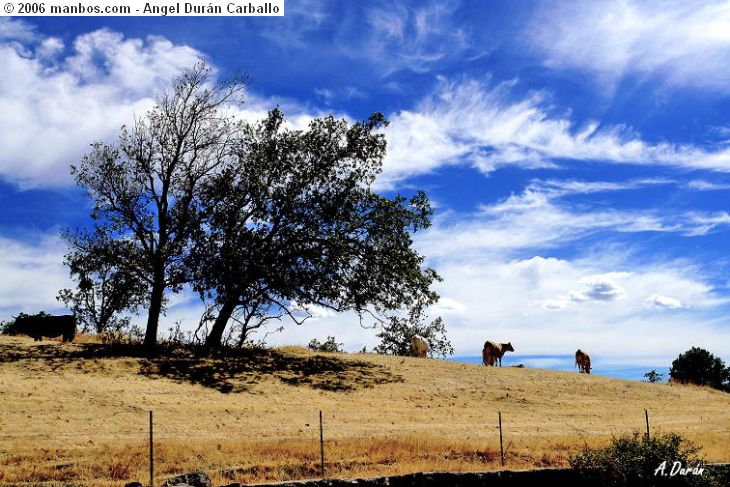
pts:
[79, 412]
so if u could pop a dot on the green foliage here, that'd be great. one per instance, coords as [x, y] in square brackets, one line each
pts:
[106, 287]
[396, 335]
[291, 222]
[698, 366]
[632, 461]
[653, 376]
[329, 345]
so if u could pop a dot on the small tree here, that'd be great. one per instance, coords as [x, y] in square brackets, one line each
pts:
[396, 334]
[105, 287]
[653, 376]
[698, 366]
[329, 345]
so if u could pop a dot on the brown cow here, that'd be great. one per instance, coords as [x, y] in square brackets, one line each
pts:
[583, 361]
[419, 345]
[492, 352]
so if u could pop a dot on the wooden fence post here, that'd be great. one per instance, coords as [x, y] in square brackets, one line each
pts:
[646, 414]
[321, 444]
[152, 456]
[501, 448]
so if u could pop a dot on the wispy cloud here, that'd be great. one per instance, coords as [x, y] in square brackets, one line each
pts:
[702, 185]
[484, 125]
[566, 187]
[675, 42]
[536, 219]
[415, 38]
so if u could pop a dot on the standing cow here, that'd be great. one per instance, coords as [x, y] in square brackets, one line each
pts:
[492, 352]
[419, 345]
[38, 327]
[583, 361]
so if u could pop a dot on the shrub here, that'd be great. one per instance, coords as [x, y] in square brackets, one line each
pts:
[329, 345]
[130, 335]
[638, 461]
[8, 328]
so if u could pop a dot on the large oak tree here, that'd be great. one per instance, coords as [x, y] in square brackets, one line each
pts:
[292, 222]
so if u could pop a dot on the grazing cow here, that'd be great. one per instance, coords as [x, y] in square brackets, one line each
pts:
[38, 327]
[492, 352]
[583, 361]
[419, 345]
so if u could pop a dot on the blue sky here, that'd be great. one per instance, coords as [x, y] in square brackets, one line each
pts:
[577, 153]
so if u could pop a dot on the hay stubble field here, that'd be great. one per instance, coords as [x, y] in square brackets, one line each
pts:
[79, 413]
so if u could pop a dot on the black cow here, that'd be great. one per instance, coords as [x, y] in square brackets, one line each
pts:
[47, 326]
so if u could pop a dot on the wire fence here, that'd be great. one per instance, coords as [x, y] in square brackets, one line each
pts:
[318, 442]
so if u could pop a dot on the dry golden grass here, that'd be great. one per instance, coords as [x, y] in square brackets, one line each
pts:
[78, 413]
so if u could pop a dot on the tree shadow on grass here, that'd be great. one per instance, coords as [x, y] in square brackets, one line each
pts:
[228, 371]
[236, 371]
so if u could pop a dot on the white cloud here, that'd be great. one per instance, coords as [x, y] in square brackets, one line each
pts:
[49, 48]
[54, 106]
[661, 301]
[601, 287]
[449, 307]
[32, 275]
[16, 30]
[528, 301]
[678, 43]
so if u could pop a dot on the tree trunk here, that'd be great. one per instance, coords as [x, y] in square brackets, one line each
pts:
[224, 315]
[153, 317]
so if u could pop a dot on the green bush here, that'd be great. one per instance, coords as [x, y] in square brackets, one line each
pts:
[329, 345]
[698, 366]
[7, 328]
[637, 461]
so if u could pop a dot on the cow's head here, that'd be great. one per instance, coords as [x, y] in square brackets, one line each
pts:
[507, 347]
[22, 320]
